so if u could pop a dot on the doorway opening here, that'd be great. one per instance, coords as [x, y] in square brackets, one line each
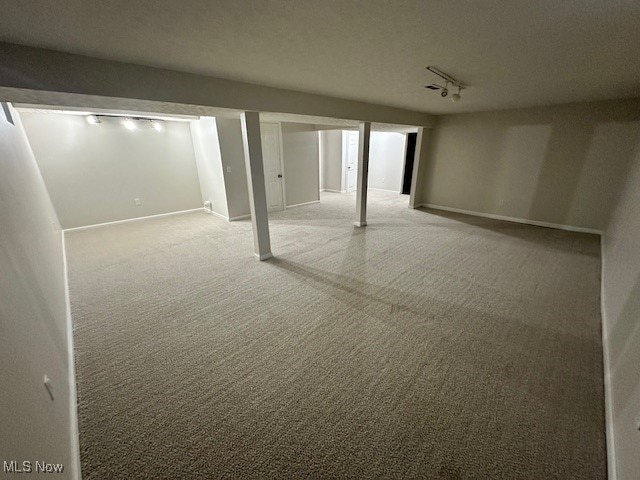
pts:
[410, 152]
[350, 160]
[390, 161]
[273, 165]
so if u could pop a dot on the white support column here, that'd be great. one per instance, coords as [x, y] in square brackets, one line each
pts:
[422, 143]
[363, 174]
[252, 144]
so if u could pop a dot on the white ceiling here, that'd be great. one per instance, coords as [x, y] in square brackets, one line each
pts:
[512, 53]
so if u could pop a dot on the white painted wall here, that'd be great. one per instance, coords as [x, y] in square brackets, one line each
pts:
[621, 315]
[386, 160]
[206, 146]
[575, 165]
[332, 170]
[35, 337]
[562, 165]
[301, 163]
[94, 172]
[234, 169]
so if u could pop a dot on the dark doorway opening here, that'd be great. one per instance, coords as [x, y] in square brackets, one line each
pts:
[408, 162]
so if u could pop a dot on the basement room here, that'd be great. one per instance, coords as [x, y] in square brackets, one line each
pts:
[320, 240]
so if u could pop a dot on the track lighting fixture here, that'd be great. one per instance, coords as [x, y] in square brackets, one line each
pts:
[129, 124]
[448, 81]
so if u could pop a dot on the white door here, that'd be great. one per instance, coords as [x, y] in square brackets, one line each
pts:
[270, 133]
[352, 161]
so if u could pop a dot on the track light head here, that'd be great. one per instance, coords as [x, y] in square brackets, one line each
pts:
[129, 124]
[444, 92]
[456, 96]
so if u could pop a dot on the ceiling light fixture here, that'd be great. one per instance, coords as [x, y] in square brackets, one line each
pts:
[129, 124]
[456, 96]
[93, 119]
[156, 125]
[445, 90]
[449, 81]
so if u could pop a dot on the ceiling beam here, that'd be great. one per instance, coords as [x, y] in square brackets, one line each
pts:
[35, 69]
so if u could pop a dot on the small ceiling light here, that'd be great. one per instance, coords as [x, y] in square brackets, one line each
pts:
[93, 119]
[156, 125]
[129, 124]
[449, 82]
[456, 96]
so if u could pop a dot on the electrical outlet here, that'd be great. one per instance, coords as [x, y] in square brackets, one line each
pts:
[228, 169]
[137, 201]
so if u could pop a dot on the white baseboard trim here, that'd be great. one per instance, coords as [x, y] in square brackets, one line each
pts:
[333, 191]
[73, 398]
[608, 399]
[87, 227]
[383, 190]
[216, 214]
[537, 223]
[264, 256]
[239, 217]
[302, 204]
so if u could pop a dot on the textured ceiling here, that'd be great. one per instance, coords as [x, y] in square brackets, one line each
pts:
[512, 53]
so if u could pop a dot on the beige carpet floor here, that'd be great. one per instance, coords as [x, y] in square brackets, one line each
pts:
[426, 345]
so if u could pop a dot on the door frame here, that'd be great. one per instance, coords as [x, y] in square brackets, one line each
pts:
[345, 161]
[281, 148]
[282, 184]
[409, 158]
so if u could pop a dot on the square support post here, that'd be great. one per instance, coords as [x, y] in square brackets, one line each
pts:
[422, 143]
[363, 174]
[252, 144]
